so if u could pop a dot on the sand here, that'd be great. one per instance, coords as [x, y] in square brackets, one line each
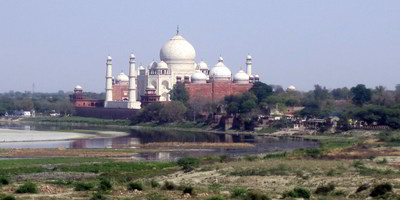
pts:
[11, 135]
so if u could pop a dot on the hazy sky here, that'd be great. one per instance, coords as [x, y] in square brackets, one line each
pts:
[59, 44]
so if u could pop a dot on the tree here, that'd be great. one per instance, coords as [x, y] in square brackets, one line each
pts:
[149, 113]
[172, 112]
[261, 90]
[179, 93]
[341, 93]
[320, 93]
[361, 94]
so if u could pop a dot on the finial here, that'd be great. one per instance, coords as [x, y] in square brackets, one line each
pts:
[177, 30]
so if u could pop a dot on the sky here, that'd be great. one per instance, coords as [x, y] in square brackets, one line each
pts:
[58, 44]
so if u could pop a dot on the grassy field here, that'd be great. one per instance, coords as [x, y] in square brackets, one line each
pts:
[352, 165]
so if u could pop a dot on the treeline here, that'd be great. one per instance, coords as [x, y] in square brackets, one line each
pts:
[42, 103]
[372, 105]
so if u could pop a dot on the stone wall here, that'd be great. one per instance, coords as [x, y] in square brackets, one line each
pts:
[215, 91]
[105, 113]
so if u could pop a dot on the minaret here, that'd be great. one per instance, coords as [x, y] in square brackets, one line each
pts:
[132, 103]
[248, 64]
[108, 80]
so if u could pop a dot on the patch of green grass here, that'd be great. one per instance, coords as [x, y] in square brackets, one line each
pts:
[280, 170]
[325, 189]
[298, 192]
[155, 196]
[239, 192]
[15, 163]
[118, 167]
[135, 186]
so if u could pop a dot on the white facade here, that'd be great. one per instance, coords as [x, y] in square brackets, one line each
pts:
[177, 64]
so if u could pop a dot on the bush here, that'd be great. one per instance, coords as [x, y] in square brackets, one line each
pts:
[81, 186]
[135, 186]
[188, 190]
[188, 164]
[4, 181]
[155, 196]
[239, 192]
[215, 187]
[298, 193]
[27, 188]
[324, 190]
[314, 153]
[105, 185]
[256, 196]
[98, 196]
[154, 184]
[362, 188]
[215, 198]
[8, 198]
[381, 189]
[168, 186]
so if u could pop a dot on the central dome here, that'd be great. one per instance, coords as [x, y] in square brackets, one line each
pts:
[178, 50]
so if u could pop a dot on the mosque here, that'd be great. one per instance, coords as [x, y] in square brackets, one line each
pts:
[144, 85]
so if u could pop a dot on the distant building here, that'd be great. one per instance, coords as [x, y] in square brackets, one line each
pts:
[78, 99]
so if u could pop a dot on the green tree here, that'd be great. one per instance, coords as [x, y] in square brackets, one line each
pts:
[361, 94]
[261, 90]
[341, 93]
[179, 93]
[172, 112]
[320, 93]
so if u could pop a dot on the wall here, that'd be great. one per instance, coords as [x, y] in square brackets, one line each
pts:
[105, 113]
[215, 91]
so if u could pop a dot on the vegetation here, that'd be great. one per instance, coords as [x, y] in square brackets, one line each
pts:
[135, 186]
[188, 164]
[169, 186]
[325, 189]
[27, 188]
[298, 192]
[381, 190]
[82, 186]
[105, 185]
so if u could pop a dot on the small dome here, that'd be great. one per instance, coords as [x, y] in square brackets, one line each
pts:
[141, 67]
[291, 88]
[177, 50]
[150, 87]
[202, 65]
[152, 65]
[257, 76]
[132, 55]
[162, 65]
[220, 71]
[122, 77]
[248, 57]
[109, 58]
[241, 77]
[78, 87]
[199, 77]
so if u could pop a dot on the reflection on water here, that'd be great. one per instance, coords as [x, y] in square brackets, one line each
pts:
[138, 139]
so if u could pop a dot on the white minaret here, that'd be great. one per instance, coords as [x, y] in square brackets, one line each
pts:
[248, 64]
[132, 103]
[108, 80]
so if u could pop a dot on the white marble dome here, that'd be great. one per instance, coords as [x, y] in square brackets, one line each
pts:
[162, 65]
[141, 67]
[199, 77]
[150, 87]
[220, 71]
[241, 77]
[122, 77]
[177, 50]
[202, 65]
[291, 88]
[78, 87]
[152, 65]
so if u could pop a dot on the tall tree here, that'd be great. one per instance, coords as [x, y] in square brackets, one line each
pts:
[261, 90]
[361, 94]
[179, 93]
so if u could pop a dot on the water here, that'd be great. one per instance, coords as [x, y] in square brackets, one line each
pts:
[161, 145]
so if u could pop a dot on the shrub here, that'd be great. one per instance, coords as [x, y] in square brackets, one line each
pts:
[81, 186]
[27, 188]
[223, 158]
[215, 187]
[215, 198]
[188, 164]
[324, 190]
[168, 186]
[250, 158]
[8, 198]
[298, 193]
[239, 192]
[154, 183]
[4, 181]
[135, 186]
[155, 196]
[188, 190]
[105, 185]
[381, 189]
[362, 188]
[314, 153]
[256, 196]
[98, 196]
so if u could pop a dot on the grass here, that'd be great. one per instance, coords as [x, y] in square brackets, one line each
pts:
[135, 186]
[83, 186]
[27, 188]
[16, 163]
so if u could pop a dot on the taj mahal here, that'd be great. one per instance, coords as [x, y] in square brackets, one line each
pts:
[177, 64]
